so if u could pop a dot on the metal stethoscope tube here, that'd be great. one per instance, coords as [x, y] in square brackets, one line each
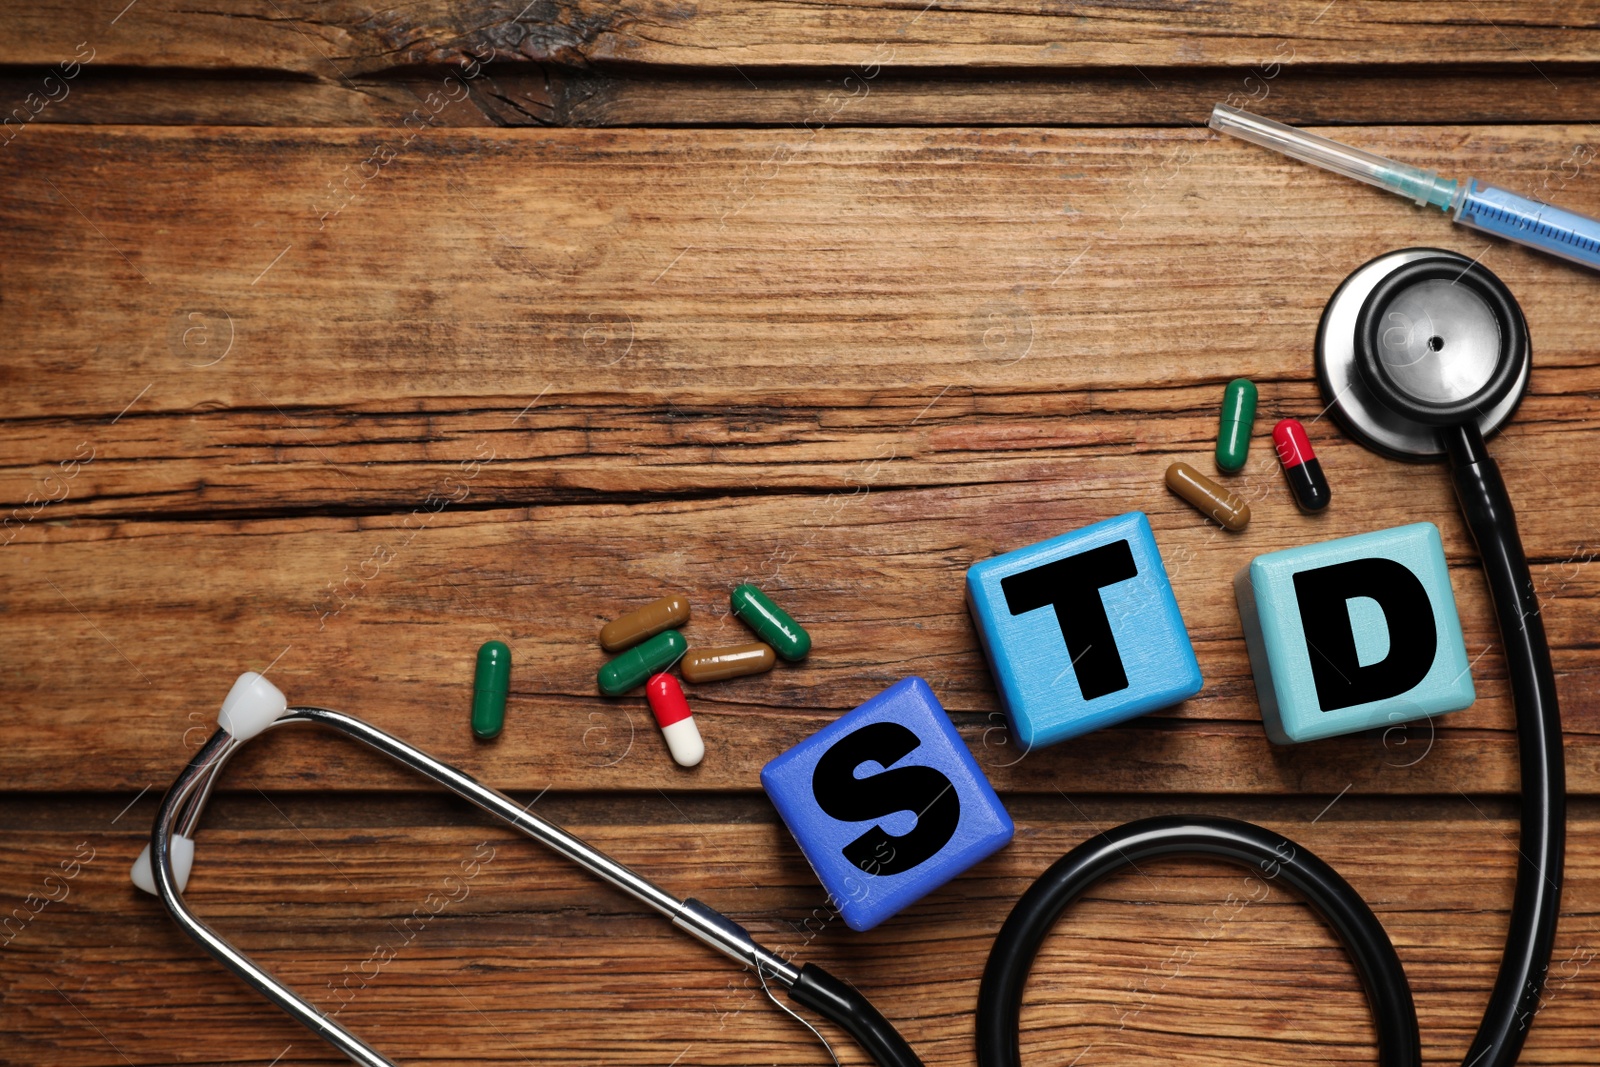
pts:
[185, 801]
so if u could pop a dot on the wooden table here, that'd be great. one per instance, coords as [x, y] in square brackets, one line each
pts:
[342, 338]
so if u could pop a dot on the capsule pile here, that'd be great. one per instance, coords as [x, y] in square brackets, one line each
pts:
[648, 643]
[1235, 423]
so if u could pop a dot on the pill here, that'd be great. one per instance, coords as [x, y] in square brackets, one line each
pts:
[771, 623]
[733, 661]
[668, 613]
[1235, 423]
[1209, 498]
[1300, 465]
[490, 684]
[672, 714]
[640, 662]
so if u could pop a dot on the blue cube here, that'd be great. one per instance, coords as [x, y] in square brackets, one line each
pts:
[1355, 633]
[887, 803]
[1082, 631]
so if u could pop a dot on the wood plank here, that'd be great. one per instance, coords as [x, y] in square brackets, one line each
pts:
[529, 960]
[515, 94]
[133, 630]
[335, 40]
[481, 269]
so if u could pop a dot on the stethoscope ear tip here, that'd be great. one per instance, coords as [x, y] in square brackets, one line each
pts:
[144, 875]
[252, 705]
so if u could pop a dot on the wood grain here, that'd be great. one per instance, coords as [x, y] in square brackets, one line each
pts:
[144, 97]
[584, 449]
[1149, 96]
[525, 94]
[335, 40]
[530, 960]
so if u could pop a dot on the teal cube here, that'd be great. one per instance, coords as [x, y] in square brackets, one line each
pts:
[1355, 633]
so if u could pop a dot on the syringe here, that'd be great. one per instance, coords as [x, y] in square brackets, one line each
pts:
[1483, 207]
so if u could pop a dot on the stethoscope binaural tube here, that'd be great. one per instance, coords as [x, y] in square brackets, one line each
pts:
[1421, 353]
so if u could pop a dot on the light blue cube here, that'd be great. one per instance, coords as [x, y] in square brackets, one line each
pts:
[1351, 634]
[1082, 631]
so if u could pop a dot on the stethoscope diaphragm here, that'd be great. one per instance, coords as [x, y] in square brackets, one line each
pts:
[1417, 339]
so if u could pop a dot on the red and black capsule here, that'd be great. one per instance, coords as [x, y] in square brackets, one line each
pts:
[1300, 466]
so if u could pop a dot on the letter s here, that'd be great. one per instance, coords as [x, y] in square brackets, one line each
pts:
[922, 790]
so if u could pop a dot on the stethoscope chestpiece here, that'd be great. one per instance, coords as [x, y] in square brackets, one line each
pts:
[1418, 339]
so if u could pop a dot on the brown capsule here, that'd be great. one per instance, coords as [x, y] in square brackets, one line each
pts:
[668, 613]
[1209, 498]
[719, 664]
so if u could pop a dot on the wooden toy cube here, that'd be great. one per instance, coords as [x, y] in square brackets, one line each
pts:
[1082, 631]
[887, 803]
[1355, 633]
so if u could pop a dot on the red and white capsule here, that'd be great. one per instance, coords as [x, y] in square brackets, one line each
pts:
[672, 714]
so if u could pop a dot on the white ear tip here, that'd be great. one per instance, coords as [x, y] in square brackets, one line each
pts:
[144, 875]
[251, 706]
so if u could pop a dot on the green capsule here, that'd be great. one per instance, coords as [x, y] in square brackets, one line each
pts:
[1237, 420]
[490, 685]
[641, 661]
[771, 623]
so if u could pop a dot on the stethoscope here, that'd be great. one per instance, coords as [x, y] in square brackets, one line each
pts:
[1421, 354]
[255, 706]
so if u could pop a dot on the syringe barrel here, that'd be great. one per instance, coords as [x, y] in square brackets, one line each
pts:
[1537, 225]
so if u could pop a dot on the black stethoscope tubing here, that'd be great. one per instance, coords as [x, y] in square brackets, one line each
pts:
[1536, 903]
[1270, 855]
